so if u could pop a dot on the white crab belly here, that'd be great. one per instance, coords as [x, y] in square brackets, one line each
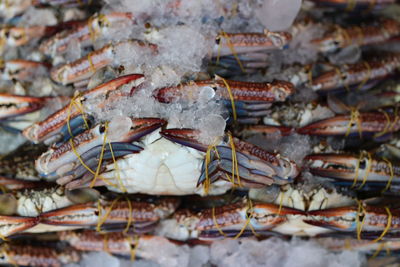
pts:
[162, 168]
[296, 226]
[35, 205]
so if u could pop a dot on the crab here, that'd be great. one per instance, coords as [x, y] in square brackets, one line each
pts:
[171, 161]
[97, 26]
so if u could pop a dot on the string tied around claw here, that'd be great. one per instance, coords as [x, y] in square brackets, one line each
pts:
[231, 47]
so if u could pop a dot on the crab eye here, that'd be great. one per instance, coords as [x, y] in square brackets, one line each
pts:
[102, 128]
[218, 40]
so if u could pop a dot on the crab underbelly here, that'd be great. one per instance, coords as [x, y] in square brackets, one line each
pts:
[296, 226]
[32, 207]
[162, 168]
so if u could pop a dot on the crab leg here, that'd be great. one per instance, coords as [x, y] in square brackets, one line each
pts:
[356, 74]
[115, 243]
[18, 36]
[85, 33]
[352, 219]
[11, 225]
[359, 35]
[22, 70]
[250, 99]
[116, 214]
[358, 123]
[55, 127]
[15, 105]
[354, 169]
[230, 43]
[254, 162]
[83, 68]
[36, 256]
[232, 220]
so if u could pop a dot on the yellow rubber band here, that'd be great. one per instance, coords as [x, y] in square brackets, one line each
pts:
[355, 117]
[235, 165]
[216, 222]
[231, 98]
[360, 157]
[389, 163]
[376, 253]
[130, 219]
[367, 171]
[207, 183]
[360, 225]
[103, 219]
[388, 225]
[280, 204]
[369, 73]
[133, 250]
[105, 243]
[232, 48]
[89, 57]
[101, 157]
[122, 186]
[340, 73]
[248, 220]
[387, 125]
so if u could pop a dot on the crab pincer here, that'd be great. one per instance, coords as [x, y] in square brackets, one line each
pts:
[72, 118]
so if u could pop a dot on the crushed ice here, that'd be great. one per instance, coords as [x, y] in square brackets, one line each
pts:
[233, 253]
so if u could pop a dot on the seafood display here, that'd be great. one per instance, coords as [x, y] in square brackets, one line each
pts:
[128, 126]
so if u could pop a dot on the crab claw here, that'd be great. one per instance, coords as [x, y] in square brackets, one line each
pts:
[55, 127]
[353, 169]
[22, 70]
[366, 123]
[76, 215]
[266, 129]
[339, 219]
[231, 43]
[233, 219]
[366, 218]
[112, 214]
[16, 105]
[251, 99]
[236, 158]
[10, 225]
[118, 134]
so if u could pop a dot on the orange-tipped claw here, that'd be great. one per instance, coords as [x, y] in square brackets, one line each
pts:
[358, 123]
[185, 137]
[16, 105]
[10, 225]
[77, 215]
[50, 128]
[342, 218]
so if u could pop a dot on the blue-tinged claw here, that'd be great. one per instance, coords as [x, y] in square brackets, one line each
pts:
[247, 162]
[120, 132]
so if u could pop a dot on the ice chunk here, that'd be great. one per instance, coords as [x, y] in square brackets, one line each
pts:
[38, 16]
[199, 256]
[98, 259]
[301, 50]
[211, 127]
[9, 142]
[295, 147]
[276, 252]
[278, 15]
